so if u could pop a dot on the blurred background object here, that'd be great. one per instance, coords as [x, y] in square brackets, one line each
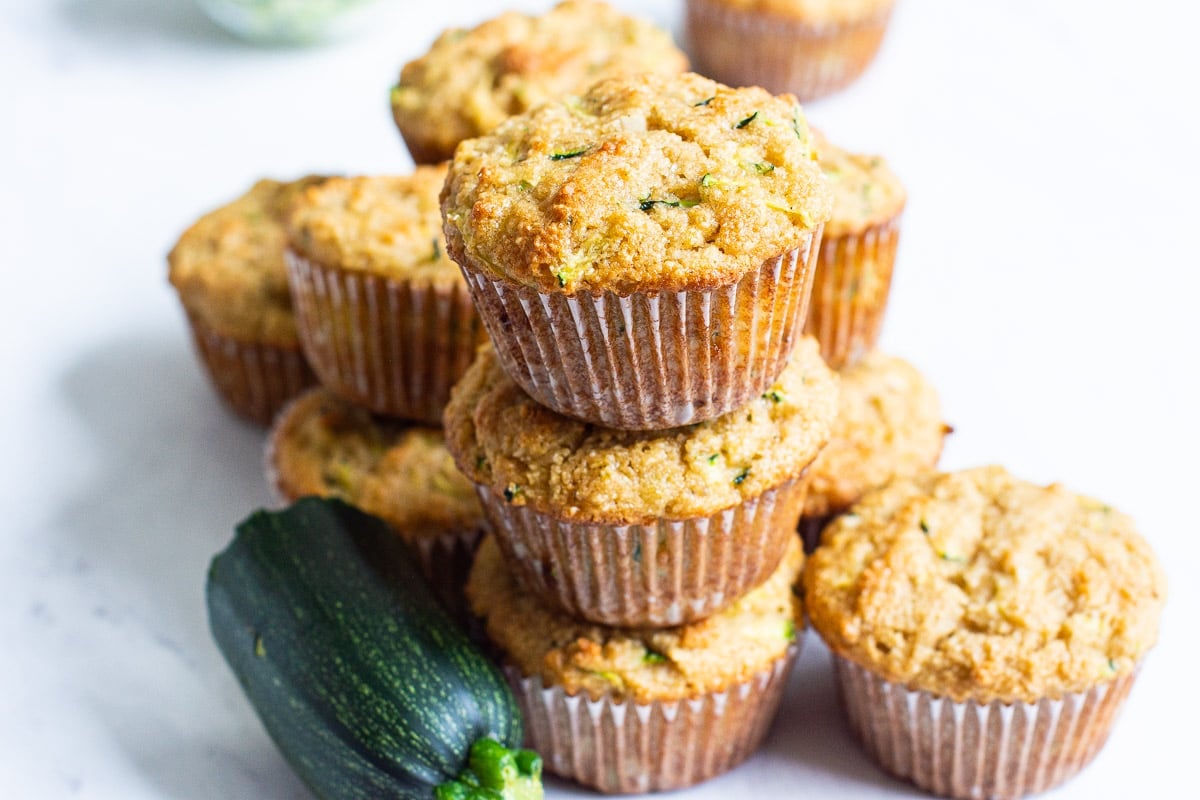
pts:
[291, 21]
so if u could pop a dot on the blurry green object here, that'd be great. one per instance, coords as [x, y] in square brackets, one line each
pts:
[290, 21]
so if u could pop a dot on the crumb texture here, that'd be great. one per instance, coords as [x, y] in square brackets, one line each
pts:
[388, 226]
[641, 184]
[472, 80]
[228, 266]
[501, 438]
[644, 665]
[889, 425]
[979, 585]
[865, 190]
[323, 446]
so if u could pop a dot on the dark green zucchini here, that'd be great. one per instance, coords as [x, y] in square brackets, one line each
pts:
[364, 683]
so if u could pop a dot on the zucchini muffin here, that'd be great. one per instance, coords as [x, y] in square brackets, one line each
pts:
[472, 80]
[702, 695]
[889, 425]
[384, 314]
[320, 445]
[811, 48]
[985, 630]
[229, 272]
[854, 266]
[641, 255]
[641, 528]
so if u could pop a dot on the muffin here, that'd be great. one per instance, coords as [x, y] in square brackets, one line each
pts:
[984, 630]
[384, 315]
[642, 255]
[228, 269]
[628, 710]
[320, 445]
[889, 425]
[858, 250]
[810, 48]
[641, 528]
[472, 80]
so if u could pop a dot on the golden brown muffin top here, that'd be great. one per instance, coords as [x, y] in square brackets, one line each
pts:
[228, 266]
[472, 80]
[865, 190]
[889, 425]
[388, 226]
[503, 439]
[642, 184]
[321, 445]
[979, 585]
[644, 665]
[816, 11]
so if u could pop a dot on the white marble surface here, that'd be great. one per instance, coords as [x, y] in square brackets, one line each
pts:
[1047, 284]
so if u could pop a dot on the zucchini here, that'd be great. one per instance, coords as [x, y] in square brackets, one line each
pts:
[366, 686]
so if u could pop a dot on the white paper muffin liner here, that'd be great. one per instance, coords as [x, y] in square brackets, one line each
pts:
[973, 750]
[659, 574]
[254, 379]
[618, 746]
[744, 47]
[649, 360]
[850, 292]
[395, 347]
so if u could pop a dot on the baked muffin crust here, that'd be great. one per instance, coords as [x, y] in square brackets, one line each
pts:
[323, 446]
[390, 226]
[501, 438]
[889, 425]
[977, 585]
[471, 80]
[642, 184]
[228, 266]
[643, 665]
[865, 190]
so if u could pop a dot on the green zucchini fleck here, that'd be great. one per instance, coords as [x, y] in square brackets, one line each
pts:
[747, 121]
[789, 630]
[512, 491]
[654, 657]
[564, 155]
[743, 473]
[775, 396]
[437, 250]
[763, 167]
[707, 180]
[645, 204]
[713, 458]
[924, 526]
[704, 102]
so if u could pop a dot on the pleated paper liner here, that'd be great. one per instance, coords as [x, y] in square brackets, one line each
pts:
[659, 574]
[649, 360]
[394, 347]
[972, 750]
[741, 47]
[850, 292]
[619, 746]
[255, 380]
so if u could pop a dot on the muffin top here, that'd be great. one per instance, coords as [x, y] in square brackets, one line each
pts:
[503, 439]
[642, 184]
[321, 445]
[820, 11]
[978, 585]
[388, 226]
[865, 190]
[889, 425]
[644, 665]
[228, 266]
[472, 80]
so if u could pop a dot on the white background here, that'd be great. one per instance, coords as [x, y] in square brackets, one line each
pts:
[1047, 284]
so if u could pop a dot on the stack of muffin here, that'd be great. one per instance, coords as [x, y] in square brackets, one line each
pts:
[632, 307]
[642, 257]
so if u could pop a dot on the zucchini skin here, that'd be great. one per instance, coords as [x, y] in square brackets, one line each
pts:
[367, 687]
